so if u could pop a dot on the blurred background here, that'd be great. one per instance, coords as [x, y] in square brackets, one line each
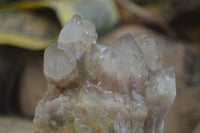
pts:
[27, 27]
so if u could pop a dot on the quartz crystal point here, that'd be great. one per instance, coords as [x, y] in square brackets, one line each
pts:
[159, 95]
[151, 54]
[78, 34]
[122, 63]
[55, 63]
[95, 88]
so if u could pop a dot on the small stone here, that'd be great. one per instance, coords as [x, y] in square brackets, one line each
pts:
[107, 89]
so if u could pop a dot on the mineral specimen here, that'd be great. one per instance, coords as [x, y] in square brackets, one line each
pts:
[95, 88]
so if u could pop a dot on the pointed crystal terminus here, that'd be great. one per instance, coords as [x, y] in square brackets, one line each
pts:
[96, 88]
[78, 34]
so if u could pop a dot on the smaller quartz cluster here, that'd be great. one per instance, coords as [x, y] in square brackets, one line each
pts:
[96, 88]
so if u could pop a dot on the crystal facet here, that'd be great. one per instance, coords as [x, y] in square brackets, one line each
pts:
[151, 54]
[95, 88]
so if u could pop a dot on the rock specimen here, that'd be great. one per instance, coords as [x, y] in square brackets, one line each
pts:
[95, 88]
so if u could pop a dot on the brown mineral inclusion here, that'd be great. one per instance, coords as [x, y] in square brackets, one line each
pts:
[96, 88]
